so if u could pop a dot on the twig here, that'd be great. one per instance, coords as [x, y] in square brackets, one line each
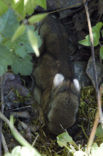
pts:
[98, 95]
[95, 123]
[17, 135]
[34, 142]
[68, 7]
[92, 135]
[92, 44]
[5, 147]
[84, 132]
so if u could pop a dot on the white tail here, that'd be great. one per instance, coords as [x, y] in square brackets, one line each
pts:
[58, 79]
[77, 84]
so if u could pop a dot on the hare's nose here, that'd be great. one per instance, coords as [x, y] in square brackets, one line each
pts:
[76, 84]
[58, 79]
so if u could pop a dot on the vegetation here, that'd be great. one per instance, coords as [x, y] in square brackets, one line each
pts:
[17, 36]
[97, 36]
[18, 41]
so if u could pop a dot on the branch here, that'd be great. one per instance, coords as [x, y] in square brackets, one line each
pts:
[98, 92]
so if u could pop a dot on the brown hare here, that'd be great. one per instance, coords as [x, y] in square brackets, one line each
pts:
[59, 97]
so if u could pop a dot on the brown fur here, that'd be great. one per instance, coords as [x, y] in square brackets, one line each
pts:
[59, 104]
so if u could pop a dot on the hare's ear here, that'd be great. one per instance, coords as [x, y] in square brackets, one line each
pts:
[77, 84]
[58, 79]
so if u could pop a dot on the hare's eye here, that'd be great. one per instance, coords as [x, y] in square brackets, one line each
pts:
[58, 79]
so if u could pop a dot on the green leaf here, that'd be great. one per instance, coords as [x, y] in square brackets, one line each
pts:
[20, 51]
[5, 59]
[37, 18]
[96, 35]
[19, 65]
[98, 26]
[15, 54]
[41, 3]
[101, 52]
[5, 55]
[23, 151]
[102, 33]
[86, 41]
[8, 24]
[99, 132]
[21, 45]
[35, 41]
[16, 151]
[96, 32]
[20, 30]
[63, 139]
[22, 66]
[30, 5]
[18, 6]
[3, 69]
[3, 7]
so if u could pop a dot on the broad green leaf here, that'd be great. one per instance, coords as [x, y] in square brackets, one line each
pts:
[16, 151]
[101, 52]
[99, 132]
[23, 151]
[63, 139]
[37, 18]
[20, 30]
[86, 41]
[96, 32]
[3, 69]
[8, 24]
[30, 5]
[23, 43]
[20, 51]
[3, 7]
[22, 66]
[20, 46]
[14, 53]
[5, 55]
[19, 65]
[41, 3]
[5, 59]
[102, 33]
[96, 35]
[97, 27]
[34, 41]
[18, 6]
